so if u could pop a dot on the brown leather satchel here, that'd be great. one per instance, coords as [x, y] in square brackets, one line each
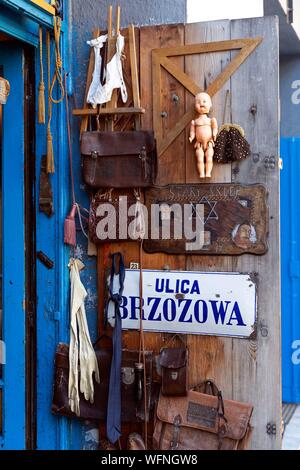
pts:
[174, 371]
[119, 200]
[202, 421]
[121, 159]
[131, 410]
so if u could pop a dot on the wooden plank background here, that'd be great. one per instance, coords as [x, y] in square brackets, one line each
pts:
[246, 370]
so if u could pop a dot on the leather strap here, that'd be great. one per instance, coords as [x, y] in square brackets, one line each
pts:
[113, 424]
[222, 420]
[176, 433]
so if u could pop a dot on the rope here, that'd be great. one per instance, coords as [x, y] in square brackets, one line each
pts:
[57, 77]
[50, 155]
[70, 144]
[41, 97]
[142, 345]
[79, 208]
[80, 221]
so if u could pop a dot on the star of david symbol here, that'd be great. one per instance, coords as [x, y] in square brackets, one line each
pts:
[212, 215]
[160, 58]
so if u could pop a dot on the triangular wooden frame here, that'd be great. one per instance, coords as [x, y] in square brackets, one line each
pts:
[160, 59]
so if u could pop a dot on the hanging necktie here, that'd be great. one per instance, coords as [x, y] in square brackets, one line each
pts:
[113, 422]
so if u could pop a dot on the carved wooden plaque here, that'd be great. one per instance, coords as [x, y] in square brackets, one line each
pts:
[232, 218]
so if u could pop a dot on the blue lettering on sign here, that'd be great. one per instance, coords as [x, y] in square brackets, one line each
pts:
[238, 317]
[182, 286]
[186, 306]
[219, 312]
[153, 309]
[185, 290]
[123, 309]
[159, 288]
[195, 288]
[203, 319]
[134, 308]
[168, 289]
[182, 310]
[169, 313]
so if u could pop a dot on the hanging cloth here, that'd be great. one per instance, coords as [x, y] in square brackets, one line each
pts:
[98, 93]
[113, 423]
[81, 351]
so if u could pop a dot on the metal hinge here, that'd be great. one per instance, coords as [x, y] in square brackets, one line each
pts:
[56, 316]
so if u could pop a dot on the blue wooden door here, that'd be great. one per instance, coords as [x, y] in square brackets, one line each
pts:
[290, 269]
[12, 378]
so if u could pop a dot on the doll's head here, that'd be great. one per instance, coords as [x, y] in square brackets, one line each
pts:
[203, 103]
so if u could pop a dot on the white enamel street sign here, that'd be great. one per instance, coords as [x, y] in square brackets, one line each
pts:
[217, 304]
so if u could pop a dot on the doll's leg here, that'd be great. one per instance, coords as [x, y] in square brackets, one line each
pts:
[209, 159]
[200, 161]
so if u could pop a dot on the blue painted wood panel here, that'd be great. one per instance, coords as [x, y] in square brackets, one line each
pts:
[11, 58]
[290, 268]
[53, 285]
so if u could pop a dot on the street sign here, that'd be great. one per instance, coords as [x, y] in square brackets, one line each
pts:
[217, 304]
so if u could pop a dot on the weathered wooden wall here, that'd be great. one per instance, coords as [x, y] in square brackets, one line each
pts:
[246, 370]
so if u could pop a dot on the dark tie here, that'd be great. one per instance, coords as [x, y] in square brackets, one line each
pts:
[113, 422]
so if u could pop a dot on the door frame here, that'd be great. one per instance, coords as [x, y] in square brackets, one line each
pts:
[50, 309]
[13, 253]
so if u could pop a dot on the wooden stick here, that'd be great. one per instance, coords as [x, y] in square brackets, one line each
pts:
[118, 19]
[84, 121]
[104, 111]
[111, 50]
[134, 75]
[109, 22]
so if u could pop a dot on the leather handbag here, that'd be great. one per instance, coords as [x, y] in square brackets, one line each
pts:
[121, 159]
[174, 371]
[131, 410]
[119, 200]
[202, 421]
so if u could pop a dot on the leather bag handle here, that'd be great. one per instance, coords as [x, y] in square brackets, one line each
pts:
[208, 387]
[176, 335]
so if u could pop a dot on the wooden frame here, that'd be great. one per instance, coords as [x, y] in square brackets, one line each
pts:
[45, 6]
[160, 58]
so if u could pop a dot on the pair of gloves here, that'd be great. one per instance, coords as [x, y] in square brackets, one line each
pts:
[82, 356]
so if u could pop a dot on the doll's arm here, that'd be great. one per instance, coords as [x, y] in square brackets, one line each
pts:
[214, 126]
[192, 131]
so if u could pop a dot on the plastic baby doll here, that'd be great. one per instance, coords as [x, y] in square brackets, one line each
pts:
[205, 130]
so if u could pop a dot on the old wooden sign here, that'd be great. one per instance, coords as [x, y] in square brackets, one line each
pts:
[221, 219]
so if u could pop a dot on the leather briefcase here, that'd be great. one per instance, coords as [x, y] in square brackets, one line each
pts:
[119, 159]
[131, 411]
[99, 205]
[201, 421]
[174, 371]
